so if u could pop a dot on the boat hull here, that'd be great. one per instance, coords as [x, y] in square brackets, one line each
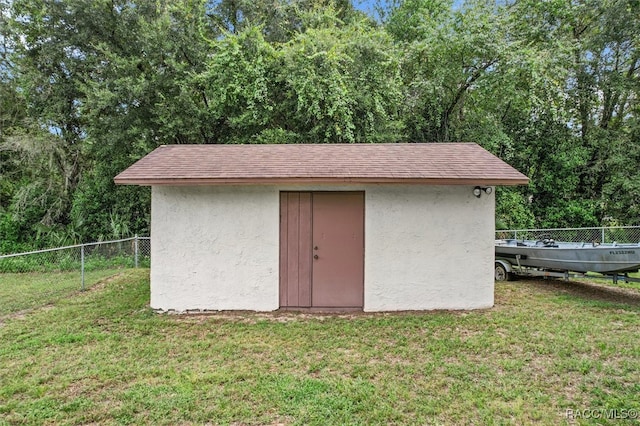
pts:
[576, 257]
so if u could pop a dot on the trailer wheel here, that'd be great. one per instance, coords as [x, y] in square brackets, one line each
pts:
[501, 273]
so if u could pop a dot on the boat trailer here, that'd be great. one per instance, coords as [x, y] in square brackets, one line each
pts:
[505, 270]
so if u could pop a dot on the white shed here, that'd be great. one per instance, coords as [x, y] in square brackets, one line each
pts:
[373, 227]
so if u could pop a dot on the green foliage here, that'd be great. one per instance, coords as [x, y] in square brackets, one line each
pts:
[341, 84]
[102, 210]
[333, 82]
[237, 84]
[88, 87]
[513, 210]
[9, 234]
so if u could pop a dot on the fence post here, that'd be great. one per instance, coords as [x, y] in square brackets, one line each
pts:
[82, 266]
[135, 251]
[602, 230]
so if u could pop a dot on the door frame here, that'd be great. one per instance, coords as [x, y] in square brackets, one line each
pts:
[285, 261]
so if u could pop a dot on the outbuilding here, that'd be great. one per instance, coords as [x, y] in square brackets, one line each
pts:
[373, 227]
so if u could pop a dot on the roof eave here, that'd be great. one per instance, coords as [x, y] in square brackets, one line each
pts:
[317, 180]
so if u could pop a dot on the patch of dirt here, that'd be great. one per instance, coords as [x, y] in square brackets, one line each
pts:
[101, 284]
[254, 317]
[285, 316]
[75, 390]
[21, 315]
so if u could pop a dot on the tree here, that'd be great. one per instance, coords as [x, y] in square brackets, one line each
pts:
[449, 54]
[278, 20]
[332, 82]
[594, 45]
[340, 82]
[89, 86]
[143, 93]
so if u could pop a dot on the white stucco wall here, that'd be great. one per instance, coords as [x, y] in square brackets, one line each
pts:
[428, 247]
[214, 248]
[217, 248]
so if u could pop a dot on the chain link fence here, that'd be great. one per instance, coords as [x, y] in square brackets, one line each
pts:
[39, 278]
[618, 234]
[126, 253]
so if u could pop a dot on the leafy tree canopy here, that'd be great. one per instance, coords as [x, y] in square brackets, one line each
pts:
[89, 86]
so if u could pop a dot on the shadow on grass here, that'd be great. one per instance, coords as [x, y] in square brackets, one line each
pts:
[588, 292]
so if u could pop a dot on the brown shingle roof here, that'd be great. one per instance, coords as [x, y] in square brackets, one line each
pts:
[426, 163]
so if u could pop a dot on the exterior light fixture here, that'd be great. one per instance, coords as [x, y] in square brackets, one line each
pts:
[477, 191]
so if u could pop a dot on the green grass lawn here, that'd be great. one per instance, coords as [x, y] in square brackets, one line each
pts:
[103, 357]
[19, 292]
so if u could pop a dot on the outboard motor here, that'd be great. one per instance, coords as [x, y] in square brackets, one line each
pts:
[545, 240]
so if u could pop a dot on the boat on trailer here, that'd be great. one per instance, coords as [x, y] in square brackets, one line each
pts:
[547, 257]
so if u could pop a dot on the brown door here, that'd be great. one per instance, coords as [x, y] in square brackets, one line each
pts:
[295, 249]
[322, 249]
[338, 250]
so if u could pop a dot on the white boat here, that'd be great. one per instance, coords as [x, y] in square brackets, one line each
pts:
[547, 254]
